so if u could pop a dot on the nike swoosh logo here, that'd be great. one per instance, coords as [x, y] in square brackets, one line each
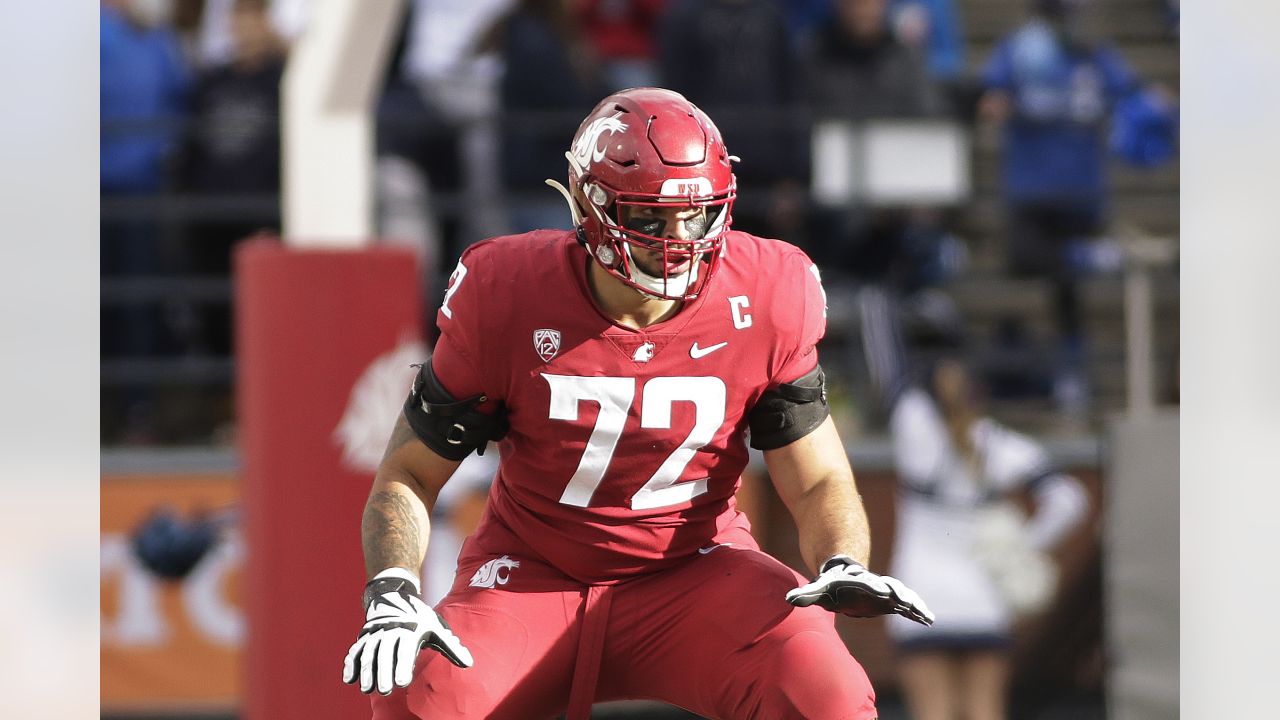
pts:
[696, 352]
[705, 550]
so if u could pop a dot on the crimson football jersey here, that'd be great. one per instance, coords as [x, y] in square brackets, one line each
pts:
[626, 446]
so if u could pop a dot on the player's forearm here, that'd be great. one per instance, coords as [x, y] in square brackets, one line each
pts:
[813, 477]
[831, 520]
[395, 525]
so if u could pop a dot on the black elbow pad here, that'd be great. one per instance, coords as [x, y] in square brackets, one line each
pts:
[790, 411]
[451, 427]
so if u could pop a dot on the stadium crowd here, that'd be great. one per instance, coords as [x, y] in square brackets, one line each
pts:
[479, 95]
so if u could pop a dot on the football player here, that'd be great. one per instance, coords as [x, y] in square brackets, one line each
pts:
[622, 368]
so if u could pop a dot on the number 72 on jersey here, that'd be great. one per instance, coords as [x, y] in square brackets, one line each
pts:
[614, 395]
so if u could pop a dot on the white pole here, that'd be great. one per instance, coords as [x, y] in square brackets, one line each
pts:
[1143, 254]
[1137, 304]
[328, 93]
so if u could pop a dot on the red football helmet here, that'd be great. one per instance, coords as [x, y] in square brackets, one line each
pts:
[649, 147]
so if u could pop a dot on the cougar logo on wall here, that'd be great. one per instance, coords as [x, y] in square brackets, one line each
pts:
[375, 403]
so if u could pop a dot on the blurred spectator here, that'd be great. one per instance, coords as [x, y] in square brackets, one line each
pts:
[234, 149]
[933, 28]
[548, 85]
[804, 18]
[621, 33]
[413, 144]
[861, 70]
[961, 532]
[451, 54]
[215, 42]
[452, 59]
[908, 249]
[1144, 128]
[1053, 91]
[143, 94]
[235, 141]
[737, 60]
[1173, 15]
[144, 86]
[1015, 364]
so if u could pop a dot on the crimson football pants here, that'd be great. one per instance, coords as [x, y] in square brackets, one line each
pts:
[713, 635]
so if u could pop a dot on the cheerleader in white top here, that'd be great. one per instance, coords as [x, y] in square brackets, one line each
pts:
[961, 542]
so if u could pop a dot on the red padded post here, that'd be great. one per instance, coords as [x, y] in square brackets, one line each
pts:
[308, 324]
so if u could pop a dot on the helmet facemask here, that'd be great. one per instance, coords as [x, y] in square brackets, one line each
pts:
[633, 237]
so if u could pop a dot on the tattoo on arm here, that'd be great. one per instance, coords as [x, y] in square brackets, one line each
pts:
[392, 530]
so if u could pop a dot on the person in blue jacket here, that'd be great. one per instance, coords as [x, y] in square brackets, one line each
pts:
[1053, 91]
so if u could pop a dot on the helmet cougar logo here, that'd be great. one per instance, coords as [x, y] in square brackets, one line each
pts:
[491, 573]
[587, 150]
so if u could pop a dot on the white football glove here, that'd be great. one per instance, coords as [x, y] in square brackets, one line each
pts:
[843, 585]
[397, 625]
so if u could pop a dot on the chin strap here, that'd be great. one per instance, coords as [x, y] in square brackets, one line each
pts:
[573, 206]
[576, 213]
